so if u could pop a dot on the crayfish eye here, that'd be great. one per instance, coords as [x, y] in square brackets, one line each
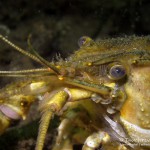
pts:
[85, 41]
[116, 72]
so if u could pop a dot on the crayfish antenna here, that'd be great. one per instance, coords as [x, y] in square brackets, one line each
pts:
[28, 73]
[45, 62]
[44, 124]
[35, 57]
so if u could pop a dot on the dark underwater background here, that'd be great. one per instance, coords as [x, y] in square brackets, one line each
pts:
[56, 26]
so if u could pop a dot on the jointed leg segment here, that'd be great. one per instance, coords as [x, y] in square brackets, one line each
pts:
[53, 104]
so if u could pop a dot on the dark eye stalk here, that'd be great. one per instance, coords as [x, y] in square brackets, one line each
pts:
[116, 72]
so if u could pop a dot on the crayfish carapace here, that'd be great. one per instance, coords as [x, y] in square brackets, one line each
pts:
[101, 93]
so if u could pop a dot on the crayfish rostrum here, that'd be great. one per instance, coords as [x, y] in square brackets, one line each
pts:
[101, 93]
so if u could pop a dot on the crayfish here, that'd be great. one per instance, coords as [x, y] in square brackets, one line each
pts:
[101, 93]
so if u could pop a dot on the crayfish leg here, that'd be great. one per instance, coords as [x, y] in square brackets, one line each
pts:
[95, 140]
[102, 140]
[53, 104]
[63, 130]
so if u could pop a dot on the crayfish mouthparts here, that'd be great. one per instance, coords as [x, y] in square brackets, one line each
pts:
[101, 94]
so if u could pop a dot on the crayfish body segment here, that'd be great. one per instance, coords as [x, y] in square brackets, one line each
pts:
[101, 93]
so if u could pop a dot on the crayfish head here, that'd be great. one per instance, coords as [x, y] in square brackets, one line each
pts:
[119, 71]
